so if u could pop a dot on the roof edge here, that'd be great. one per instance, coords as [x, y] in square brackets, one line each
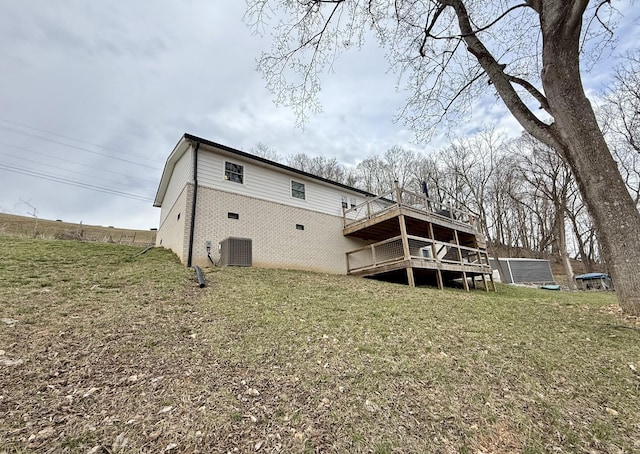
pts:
[169, 165]
[246, 155]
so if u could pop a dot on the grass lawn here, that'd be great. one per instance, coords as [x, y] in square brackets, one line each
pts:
[104, 351]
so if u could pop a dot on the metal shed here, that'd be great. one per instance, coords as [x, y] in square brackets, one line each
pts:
[523, 270]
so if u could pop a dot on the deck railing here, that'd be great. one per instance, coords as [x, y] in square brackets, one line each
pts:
[391, 250]
[404, 198]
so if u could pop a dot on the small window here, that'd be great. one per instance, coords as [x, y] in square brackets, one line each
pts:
[233, 215]
[297, 190]
[233, 172]
[299, 227]
[345, 202]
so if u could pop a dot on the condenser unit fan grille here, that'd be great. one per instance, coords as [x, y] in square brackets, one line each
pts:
[235, 251]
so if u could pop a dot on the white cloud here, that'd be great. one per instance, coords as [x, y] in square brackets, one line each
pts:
[129, 78]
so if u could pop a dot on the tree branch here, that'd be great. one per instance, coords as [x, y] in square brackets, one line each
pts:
[496, 73]
[429, 26]
[445, 3]
[533, 91]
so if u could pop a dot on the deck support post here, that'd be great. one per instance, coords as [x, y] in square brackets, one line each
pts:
[405, 250]
[439, 278]
[410, 277]
[434, 250]
[493, 282]
[464, 274]
[436, 258]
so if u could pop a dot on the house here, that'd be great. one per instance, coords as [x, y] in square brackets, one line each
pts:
[222, 205]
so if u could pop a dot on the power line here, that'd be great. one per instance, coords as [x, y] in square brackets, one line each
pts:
[72, 162]
[69, 182]
[67, 137]
[51, 166]
[17, 131]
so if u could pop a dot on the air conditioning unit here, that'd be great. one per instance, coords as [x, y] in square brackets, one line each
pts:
[235, 251]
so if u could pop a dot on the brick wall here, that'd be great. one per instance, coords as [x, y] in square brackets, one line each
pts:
[276, 242]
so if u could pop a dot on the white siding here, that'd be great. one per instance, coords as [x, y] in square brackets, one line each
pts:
[272, 184]
[173, 232]
[179, 178]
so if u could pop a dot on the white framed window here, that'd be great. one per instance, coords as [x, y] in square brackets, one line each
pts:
[298, 190]
[233, 172]
[348, 202]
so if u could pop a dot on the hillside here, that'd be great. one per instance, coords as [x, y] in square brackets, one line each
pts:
[105, 349]
[23, 226]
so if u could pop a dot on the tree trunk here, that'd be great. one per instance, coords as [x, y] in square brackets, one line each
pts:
[616, 218]
[562, 247]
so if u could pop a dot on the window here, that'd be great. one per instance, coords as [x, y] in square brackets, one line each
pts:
[348, 202]
[297, 190]
[233, 172]
[299, 227]
[233, 215]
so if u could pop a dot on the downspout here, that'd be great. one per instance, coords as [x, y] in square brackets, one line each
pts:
[192, 227]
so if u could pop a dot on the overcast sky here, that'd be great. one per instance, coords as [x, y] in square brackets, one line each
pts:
[95, 94]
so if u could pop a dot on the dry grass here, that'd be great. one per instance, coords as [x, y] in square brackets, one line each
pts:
[29, 227]
[106, 351]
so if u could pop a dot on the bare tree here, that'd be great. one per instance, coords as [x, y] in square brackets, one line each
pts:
[265, 151]
[470, 165]
[377, 174]
[586, 243]
[399, 164]
[552, 181]
[450, 52]
[328, 168]
[428, 169]
[620, 117]
[321, 166]
[373, 175]
[623, 101]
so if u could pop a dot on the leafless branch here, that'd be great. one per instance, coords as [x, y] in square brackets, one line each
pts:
[533, 91]
[477, 30]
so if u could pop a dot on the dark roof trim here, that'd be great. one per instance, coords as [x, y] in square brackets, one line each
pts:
[243, 154]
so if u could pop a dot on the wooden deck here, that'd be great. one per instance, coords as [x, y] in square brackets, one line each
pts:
[417, 241]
